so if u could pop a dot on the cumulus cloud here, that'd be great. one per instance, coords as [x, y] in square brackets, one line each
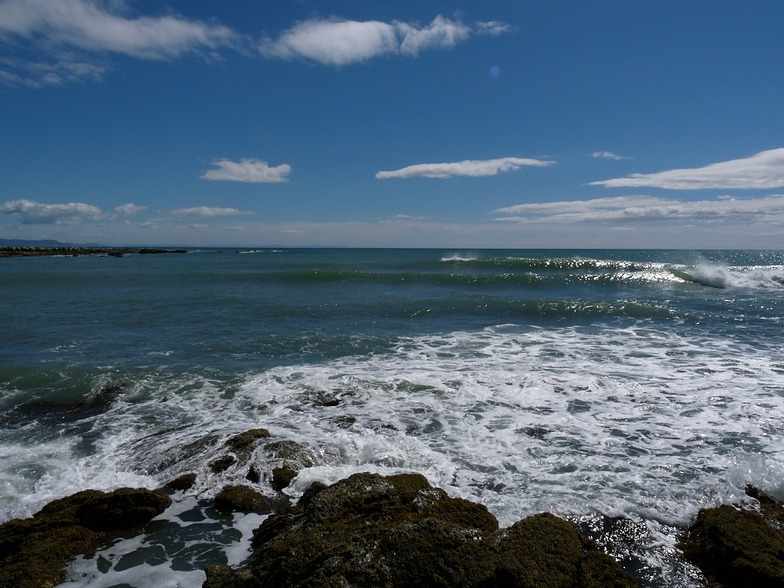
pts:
[621, 209]
[339, 42]
[32, 212]
[67, 36]
[472, 168]
[247, 170]
[764, 170]
[206, 211]
[607, 155]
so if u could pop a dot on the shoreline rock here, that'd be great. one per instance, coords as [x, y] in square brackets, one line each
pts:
[34, 552]
[739, 547]
[370, 530]
[373, 530]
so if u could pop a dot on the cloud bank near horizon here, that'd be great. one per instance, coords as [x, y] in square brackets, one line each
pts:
[470, 168]
[338, 42]
[626, 209]
[207, 211]
[764, 170]
[31, 212]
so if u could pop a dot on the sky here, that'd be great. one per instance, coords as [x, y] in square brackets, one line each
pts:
[347, 123]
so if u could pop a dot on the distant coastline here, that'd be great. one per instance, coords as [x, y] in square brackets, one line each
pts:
[78, 251]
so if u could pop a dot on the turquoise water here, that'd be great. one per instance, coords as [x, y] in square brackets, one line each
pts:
[637, 383]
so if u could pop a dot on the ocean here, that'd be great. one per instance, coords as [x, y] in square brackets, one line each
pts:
[621, 389]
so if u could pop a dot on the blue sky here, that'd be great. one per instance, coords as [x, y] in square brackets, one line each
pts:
[534, 123]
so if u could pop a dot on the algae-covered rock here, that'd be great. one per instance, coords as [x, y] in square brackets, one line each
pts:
[282, 476]
[34, 552]
[371, 530]
[237, 497]
[245, 441]
[184, 482]
[737, 547]
[222, 463]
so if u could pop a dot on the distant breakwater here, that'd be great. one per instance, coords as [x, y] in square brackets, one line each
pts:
[67, 251]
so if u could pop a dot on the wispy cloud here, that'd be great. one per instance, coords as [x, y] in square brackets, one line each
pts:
[608, 155]
[206, 211]
[68, 38]
[129, 209]
[247, 170]
[31, 212]
[764, 170]
[472, 168]
[339, 42]
[623, 209]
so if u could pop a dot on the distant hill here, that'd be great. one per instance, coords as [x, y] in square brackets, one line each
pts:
[32, 243]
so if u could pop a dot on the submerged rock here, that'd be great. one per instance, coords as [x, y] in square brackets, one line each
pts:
[34, 552]
[738, 547]
[244, 442]
[371, 530]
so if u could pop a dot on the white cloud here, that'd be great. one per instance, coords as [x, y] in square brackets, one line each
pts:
[607, 155]
[32, 212]
[206, 211]
[129, 209]
[622, 209]
[247, 170]
[339, 42]
[333, 42]
[473, 168]
[65, 37]
[764, 170]
[100, 25]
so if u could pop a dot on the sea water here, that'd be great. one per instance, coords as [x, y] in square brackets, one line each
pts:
[623, 390]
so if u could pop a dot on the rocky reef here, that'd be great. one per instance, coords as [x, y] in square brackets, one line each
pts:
[371, 530]
[374, 530]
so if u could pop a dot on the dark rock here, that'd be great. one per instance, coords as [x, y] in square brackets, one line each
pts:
[253, 475]
[370, 530]
[35, 552]
[282, 476]
[222, 463]
[290, 451]
[739, 547]
[184, 482]
[236, 497]
[244, 442]
[122, 509]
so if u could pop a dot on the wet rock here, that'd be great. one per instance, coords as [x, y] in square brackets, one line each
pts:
[34, 552]
[244, 442]
[739, 547]
[290, 451]
[371, 530]
[282, 476]
[184, 482]
[236, 497]
[222, 463]
[253, 475]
